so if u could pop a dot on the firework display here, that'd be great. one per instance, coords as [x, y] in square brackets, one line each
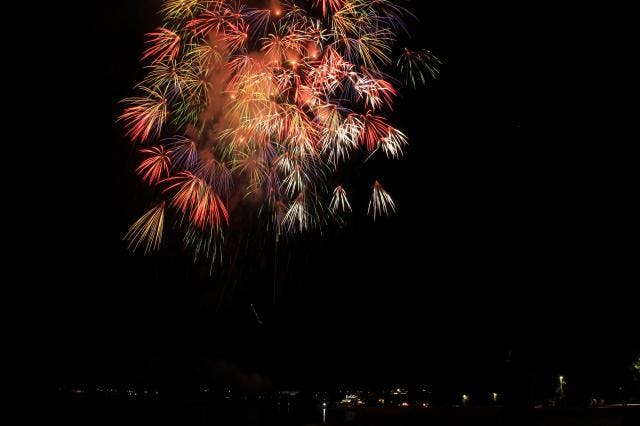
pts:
[255, 108]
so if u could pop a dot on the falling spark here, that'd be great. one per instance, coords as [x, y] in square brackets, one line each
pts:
[163, 44]
[147, 230]
[155, 166]
[145, 116]
[339, 202]
[416, 65]
[381, 202]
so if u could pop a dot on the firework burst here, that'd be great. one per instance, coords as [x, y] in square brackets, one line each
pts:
[253, 109]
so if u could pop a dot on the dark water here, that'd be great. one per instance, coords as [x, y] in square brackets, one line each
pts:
[160, 413]
[182, 413]
[498, 417]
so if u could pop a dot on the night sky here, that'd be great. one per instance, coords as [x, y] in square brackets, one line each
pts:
[510, 234]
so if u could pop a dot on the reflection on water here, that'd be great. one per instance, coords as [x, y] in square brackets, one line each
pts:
[187, 413]
[89, 412]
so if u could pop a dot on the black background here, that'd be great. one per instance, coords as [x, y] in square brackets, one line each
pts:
[511, 234]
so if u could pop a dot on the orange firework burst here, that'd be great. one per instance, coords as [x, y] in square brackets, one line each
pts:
[260, 107]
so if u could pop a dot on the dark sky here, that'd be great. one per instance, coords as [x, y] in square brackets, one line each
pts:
[511, 231]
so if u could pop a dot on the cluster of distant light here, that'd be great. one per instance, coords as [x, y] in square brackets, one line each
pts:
[258, 108]
[111, 391]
